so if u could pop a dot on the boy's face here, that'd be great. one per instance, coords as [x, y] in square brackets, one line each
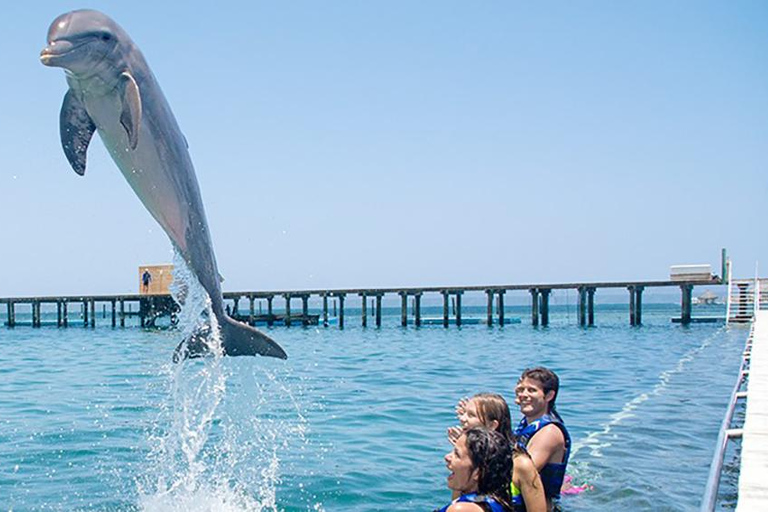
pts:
[530, 396]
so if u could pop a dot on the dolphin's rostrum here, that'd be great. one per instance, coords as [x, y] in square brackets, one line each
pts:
[113, 92]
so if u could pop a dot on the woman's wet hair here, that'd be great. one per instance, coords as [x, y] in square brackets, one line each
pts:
[549, 382]
[491, 454]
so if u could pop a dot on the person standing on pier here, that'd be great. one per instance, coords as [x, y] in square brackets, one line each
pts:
[146, 278]
[541, 430]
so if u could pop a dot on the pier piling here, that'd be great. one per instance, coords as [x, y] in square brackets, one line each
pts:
[403, 308]
[534, 306]
[545, 306]
[325, 309]
[582, 305]
[500, 306]
[446, 307]
[378, 309]
[364, 309]
[489, 307]
[590, 306]
[270, 316]
[417, 309]
[122, 312]
[341, 296]
[114, 313]
[287, 297]
[685, 307]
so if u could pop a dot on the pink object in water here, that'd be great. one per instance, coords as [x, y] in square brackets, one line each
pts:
[570, 489]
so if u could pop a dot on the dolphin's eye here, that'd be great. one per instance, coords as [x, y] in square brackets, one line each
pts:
[105, 37]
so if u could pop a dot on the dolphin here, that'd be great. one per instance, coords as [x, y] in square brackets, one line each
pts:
[113, 92]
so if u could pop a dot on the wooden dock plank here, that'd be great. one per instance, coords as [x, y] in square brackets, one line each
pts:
[753, 477]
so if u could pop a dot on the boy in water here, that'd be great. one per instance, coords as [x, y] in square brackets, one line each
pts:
[541, 430]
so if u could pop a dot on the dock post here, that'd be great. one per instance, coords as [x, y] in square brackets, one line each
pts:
[64, 316]
[305, 310]
[58, 313]
[287, 309]
[639, 305]
[325, 310]
[632, 310]
[417, 309]
[403, 308]
[11, 314]
[545, 306]
[582, 305]
[251, 312]
[685, 309]
[114, 313]
[270, 316]
[235, 306]
[378, 309]
[93, 312]
[489, 308]
[458, 307]
[500, 306]
[85, 314]
[446, 307]
[35, 313]
[534, 306]
[122, 312]
[590, 306]
[364, 309]
[341, 310]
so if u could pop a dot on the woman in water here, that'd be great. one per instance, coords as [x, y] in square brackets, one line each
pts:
[491, 411]
[480, 465]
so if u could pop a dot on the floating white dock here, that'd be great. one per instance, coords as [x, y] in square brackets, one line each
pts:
[753, 476]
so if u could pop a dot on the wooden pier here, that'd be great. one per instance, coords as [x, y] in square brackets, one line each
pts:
[753, 474]
[151, 307]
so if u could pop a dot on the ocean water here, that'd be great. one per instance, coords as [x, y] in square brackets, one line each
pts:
[355, 419]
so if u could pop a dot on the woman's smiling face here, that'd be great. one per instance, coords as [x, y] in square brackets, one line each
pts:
[464, 475]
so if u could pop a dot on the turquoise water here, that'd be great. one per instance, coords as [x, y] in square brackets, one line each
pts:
[99, 419]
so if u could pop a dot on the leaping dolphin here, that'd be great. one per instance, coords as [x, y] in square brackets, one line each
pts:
[113, 91]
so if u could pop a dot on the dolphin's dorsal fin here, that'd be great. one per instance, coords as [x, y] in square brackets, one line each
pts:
[76, 130]
[130, 117]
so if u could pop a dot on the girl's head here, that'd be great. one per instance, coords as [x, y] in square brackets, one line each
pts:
[489, 410]
[481, 462]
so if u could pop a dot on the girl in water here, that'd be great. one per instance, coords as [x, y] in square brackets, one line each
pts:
[491, 411]
[480, 465]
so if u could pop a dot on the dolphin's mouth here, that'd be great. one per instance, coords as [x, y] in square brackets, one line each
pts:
[58, 49]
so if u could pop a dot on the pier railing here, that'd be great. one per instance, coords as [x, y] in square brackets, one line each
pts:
[709, 502]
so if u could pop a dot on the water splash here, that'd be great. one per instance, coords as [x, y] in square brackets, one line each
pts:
[214, 448]
[180, 476]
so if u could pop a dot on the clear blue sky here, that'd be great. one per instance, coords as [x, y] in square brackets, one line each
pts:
[390, 143]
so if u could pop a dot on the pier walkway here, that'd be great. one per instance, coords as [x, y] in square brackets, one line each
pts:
[753, 476]
[151, 306]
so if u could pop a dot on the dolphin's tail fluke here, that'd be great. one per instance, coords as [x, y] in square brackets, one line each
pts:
[237, 339]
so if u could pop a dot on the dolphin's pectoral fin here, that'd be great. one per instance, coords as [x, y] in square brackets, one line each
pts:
[76, 130]
[130, 117]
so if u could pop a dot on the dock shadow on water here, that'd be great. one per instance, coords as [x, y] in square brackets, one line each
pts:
[202, 457]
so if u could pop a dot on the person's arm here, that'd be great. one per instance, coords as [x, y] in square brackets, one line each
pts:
[526, 478]
[546, 445]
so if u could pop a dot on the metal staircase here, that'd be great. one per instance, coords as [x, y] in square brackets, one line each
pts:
[745, 296]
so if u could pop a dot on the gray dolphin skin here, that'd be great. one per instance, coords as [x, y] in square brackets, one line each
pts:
[113, 91]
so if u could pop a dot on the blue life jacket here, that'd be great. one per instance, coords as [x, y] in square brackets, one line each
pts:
[480, 499]
[553, 473]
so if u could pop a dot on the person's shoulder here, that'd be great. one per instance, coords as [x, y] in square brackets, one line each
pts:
[465, 506]
[552, 432]
[524, 465]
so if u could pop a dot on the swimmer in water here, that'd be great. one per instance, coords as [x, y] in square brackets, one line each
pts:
[541, 430]
[480, 465]
[491, 411]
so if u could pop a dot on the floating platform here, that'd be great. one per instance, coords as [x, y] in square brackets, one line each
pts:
[701, 320]
[433, 320]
